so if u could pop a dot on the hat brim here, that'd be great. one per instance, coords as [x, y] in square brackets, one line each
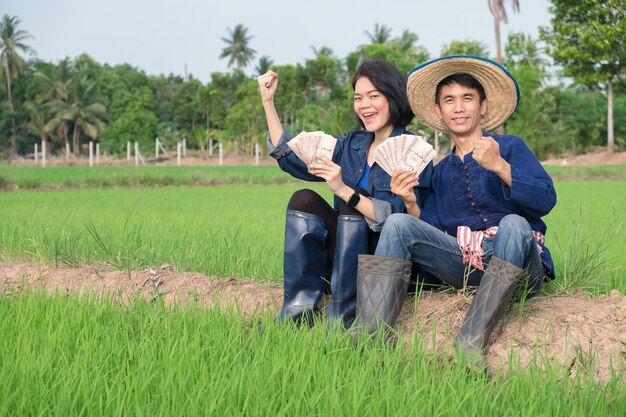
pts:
[500, 88]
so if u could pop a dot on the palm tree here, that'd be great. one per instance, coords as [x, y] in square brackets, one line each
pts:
[56, 88]
[38, 124]
[12, 41]
[382, 34]
[265, 63]
[82, 110]
[497, 9]
[322, 51]
[238, 50]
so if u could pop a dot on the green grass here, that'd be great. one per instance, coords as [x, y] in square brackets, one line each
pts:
[150, 176]
[62, 356]
[600, 172]
[237, 231]
[144, 176]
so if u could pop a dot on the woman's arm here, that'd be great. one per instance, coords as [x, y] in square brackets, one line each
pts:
[331, 172]
[268, 83]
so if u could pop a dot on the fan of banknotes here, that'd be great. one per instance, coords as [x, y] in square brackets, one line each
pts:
[404, 152]
[311, 145]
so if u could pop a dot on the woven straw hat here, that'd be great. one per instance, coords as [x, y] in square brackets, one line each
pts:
[500, 88]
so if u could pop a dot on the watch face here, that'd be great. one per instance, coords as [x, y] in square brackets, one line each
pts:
[354, 200]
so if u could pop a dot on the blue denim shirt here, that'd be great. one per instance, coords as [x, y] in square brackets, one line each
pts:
[465, 194]
[351, 154]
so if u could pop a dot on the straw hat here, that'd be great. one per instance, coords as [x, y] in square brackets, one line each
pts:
[500, 88]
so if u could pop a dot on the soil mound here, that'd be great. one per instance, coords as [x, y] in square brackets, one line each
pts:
[581, 334]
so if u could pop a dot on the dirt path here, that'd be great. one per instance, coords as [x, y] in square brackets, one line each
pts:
[578, 333]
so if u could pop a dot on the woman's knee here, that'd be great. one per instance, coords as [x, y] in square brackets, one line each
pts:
[302, 200]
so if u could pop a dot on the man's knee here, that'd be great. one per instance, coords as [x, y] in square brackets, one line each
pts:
[514, 224]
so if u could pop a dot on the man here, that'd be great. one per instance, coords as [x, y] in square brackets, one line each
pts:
[481, 223]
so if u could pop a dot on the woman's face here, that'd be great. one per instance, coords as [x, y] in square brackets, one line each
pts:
[370, 105]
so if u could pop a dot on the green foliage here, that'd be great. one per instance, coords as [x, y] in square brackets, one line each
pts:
[132, 126]
[587, 38]
[467, 47]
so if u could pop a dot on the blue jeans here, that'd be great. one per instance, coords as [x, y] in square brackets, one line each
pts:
[439, 257]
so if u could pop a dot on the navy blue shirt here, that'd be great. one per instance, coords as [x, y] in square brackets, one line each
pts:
[465, 194]
[351, 154]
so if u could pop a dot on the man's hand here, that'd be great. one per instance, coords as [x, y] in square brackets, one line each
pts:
[487, 154]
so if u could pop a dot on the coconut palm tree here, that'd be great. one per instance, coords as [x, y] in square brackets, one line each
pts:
[237, 50]
[11, 42]
[82, 110]
[38, 124]
[55, 88]
[265, 63]
[497, 9]
[382, 34]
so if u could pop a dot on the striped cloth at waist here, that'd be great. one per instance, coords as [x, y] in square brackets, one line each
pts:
[471, 244]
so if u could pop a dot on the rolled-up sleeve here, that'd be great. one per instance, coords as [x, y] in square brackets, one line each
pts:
[281, 149]
[382, 210]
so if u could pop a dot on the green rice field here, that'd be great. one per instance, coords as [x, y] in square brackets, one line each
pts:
[66, 355]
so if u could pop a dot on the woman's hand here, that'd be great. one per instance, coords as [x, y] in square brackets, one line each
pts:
[268, 83]
[402, 184]
[331, 172]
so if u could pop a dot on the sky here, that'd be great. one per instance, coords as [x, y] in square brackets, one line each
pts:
[163, 37]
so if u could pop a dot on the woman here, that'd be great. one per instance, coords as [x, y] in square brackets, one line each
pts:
[319, 239]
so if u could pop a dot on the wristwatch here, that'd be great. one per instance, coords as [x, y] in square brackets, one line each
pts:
[354, 200]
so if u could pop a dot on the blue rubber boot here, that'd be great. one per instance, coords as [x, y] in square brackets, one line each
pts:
[305, 266]
[352, 241]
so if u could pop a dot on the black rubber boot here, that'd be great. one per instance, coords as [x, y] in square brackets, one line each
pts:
[491, 300]
[305, 266]
[381, 289]
[352, 241]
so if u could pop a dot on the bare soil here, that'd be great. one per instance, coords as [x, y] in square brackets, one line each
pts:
[578, 333]
[594, 156]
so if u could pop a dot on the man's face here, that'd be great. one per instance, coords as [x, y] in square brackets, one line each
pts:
[461, 109]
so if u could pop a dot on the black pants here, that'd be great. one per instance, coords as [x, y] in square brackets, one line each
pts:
[309, 201]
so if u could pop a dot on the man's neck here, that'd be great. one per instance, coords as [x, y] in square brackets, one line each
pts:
[464, 144]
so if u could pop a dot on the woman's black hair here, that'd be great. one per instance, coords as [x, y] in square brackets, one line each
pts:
[390, 82]
[461, 79]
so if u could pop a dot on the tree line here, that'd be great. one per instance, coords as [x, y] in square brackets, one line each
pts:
[78, 99]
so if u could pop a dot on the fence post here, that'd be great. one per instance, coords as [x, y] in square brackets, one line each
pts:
[43, 153]
[178, 152]
[98, 153]
[210, 147]
[256, 153]
[128, 151]
[136, 153]
[67, 150]
[91, 153]
[184, 147]
[221, 153]
[36, 152]
[156, 146]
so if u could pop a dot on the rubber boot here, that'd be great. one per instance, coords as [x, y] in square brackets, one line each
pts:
[305, 266]
[491, 300]
[352, 241]
[381, 289]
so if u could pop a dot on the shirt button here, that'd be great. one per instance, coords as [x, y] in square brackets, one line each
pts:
[465, 168]
[466, 181]
[469, 189]
[472, 204]
[470, 196]
[477, 211]
[484, 220]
